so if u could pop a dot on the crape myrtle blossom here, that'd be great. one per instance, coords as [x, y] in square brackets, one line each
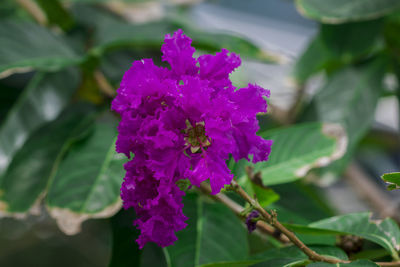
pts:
[182, 122]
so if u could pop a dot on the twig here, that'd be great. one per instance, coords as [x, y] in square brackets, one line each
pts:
[294, 110]
[393, 263]
[278, 114]
[312, 255]
[272, 219]
[237, 209]
[103, 84]
[371, 192]
[33, 9]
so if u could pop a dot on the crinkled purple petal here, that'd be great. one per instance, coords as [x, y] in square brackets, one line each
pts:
[182, 123]
[216, 69]
[178, 52]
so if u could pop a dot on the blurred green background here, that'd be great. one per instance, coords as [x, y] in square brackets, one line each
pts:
[333, 68]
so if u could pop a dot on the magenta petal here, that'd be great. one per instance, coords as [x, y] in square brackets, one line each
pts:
[211, 166]
[216, 69]
[182, 123]
[178, 52]
[250, 99]
[143, 78]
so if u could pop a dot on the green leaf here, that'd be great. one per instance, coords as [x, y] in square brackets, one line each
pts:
[265, 196]
[304, 229]
[113, 33]
[244, 263]
[340, 11]
[9, 9]
[213, 235]
[312, 60]
[86, 183]
[392, 187]
[122, 1]
[290, 256]
[371, 254]
[392, 38]
[27, 176]
[8, 97]
[393, 179]
[299, 148]
[125, 251]
[287, 256]
[349, 97]
[56, 14]
[115, 63]
[358, 263]
[153, 255]
[41, 101]
[385, 233]
[350, 41]
[216, 41]
[337, 45]
[311, 204]
[293, 220]
[26, 46]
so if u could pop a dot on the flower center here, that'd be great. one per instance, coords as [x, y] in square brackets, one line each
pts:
[196, 136]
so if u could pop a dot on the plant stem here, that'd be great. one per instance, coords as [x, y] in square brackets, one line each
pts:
[393, 263]
[238, 209]
[294, 110]
[367, 189]
[271, 219]
[103, 84]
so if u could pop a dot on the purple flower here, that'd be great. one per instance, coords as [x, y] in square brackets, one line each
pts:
[182, 123]
[251, 224]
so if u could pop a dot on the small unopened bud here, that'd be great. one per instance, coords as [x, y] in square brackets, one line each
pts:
[251, 220]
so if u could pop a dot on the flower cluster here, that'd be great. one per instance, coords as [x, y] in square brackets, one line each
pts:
[182, 122]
